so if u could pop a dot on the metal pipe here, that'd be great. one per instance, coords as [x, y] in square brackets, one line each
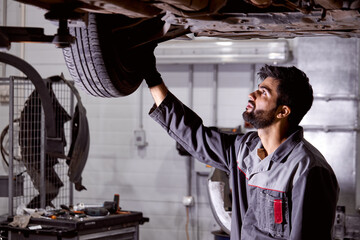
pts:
[357, 159]
[4, 13]
[324, 128]
[191, 85]
[4, 21]
[23, 22]
[11, 144]
[72, 110]
[253, 80]
[198, 175]
[141, 97]
[189, 161]
[215, 94]
[42, 161]
[336, 97]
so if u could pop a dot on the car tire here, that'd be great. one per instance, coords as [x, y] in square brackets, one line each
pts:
[95, 60]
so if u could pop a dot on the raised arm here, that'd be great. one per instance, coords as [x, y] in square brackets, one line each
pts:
[206, 144]
[158, 93]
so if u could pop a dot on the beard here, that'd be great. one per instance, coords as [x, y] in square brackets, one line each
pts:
[260, 118]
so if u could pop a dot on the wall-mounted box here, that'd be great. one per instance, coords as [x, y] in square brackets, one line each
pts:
[18, 186]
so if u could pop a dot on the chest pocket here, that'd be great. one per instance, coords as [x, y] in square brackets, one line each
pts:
[273, 213]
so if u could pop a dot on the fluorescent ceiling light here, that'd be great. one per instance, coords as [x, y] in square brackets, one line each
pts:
[220, 51]
[224, 43]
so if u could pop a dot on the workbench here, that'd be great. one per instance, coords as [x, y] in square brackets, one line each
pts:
[114, 226]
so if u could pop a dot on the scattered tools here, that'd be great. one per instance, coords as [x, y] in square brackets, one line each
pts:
[82, 210]
[100, 210]
[71, 212]
[78, 211]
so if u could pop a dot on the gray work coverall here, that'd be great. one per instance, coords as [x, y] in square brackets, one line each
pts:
[290, 194]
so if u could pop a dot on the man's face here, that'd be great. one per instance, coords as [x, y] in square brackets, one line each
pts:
[261, 109]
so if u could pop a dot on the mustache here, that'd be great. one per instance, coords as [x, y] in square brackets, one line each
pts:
[252, 103]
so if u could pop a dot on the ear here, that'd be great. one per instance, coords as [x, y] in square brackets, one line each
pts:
[283, 112]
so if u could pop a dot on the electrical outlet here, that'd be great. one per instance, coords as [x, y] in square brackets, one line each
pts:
[188, 201]
[140, 138]
[4, 94]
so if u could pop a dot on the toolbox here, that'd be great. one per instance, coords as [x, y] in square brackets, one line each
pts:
[124, 225]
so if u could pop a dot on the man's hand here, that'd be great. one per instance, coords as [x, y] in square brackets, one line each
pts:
[151, 75]
[142, 60]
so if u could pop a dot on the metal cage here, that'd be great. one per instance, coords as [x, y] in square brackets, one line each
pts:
[37, 179]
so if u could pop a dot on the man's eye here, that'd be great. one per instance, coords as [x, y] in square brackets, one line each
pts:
[263, 92]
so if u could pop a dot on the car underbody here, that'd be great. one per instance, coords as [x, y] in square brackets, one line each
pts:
[220, 18]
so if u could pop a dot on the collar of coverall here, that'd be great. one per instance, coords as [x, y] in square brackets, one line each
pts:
[284, 149]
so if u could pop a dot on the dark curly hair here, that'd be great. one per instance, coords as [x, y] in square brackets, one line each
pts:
[294, 90]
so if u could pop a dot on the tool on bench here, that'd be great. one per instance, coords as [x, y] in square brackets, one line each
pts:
[100, 210]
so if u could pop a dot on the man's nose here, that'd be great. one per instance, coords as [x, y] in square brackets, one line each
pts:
[252, 96]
